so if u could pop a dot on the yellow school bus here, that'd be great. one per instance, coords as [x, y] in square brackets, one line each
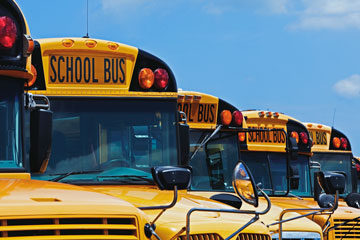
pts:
[274, 167]
[332, 152]
[32, 209]
[115, 118]
[215, 139]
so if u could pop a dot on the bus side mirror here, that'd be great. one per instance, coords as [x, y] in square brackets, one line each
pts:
[294, 177]
[184, 139]
[169, 177]
[332, 182]
[40, 139]
[244, 185]
[293, 148]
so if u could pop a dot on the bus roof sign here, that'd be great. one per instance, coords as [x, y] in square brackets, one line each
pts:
[83, 69]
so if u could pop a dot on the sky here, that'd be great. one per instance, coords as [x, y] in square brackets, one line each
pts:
[299, 57]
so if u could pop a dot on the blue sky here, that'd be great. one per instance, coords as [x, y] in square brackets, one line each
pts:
[299, 57]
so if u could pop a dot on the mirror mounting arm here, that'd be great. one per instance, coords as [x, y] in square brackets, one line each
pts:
[329, 210]
[254, 219]
[163, 207]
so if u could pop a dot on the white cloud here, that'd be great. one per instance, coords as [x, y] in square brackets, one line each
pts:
[278, 6]
[348, 87]
[319, 14]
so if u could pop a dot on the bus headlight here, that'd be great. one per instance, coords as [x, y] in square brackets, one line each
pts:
[298, 235]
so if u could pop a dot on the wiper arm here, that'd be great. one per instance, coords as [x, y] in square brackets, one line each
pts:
[144, 178]
[205, 140]
[64, 175]
[293, 195]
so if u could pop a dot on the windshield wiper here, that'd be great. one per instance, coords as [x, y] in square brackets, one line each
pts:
[137, 177]
[204, 141]
[64, 175]
[293, 195]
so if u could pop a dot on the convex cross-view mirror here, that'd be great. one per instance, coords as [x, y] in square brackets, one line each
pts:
[244, 184]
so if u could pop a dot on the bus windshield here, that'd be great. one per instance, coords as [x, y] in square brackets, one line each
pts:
[336, 162]
[106, 140]
[10, 124]
[214, 163]
[270, 169]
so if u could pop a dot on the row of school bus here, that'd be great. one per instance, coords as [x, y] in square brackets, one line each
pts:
[124, 154]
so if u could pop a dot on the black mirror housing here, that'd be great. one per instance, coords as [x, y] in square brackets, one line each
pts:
[293, 148]
[184, 142]
[228, 199]
[294, 177]
[167, 177]
[332, 182]
[40, 139]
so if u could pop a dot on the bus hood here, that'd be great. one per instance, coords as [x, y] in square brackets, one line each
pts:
[302, 224]
[32, 197]
[343, 212]
[142, 196]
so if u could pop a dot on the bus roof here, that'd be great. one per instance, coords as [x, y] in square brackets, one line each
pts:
[274, 140]
[94, 67]
[323, 138]
[203, 110]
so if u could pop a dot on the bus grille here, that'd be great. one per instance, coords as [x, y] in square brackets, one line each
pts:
[79, 228]
[253, 236]
[206, 236]
[350, 230]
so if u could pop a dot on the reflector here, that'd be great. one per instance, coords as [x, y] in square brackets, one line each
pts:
[8, 32]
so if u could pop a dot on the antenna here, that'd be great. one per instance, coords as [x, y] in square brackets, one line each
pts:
[87, 20]
[334, 117]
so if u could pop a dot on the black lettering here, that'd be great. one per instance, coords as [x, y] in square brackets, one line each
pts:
[94, 80]
[206, 112]
[107, 75]
[69, 69]
[251, 136]
[122, 66]
[190, 119]
[61, 79]
[324, 139]
[212, 113]
[200, 113]
[87, 69]
[186, 110]
[52, 60]
[283, 137]
[113, 68]
[78, 70]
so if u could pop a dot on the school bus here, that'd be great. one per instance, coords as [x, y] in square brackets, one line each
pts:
[288, 174]
[115, 117]
[332, 152]
[32, 209]
[217, 129]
